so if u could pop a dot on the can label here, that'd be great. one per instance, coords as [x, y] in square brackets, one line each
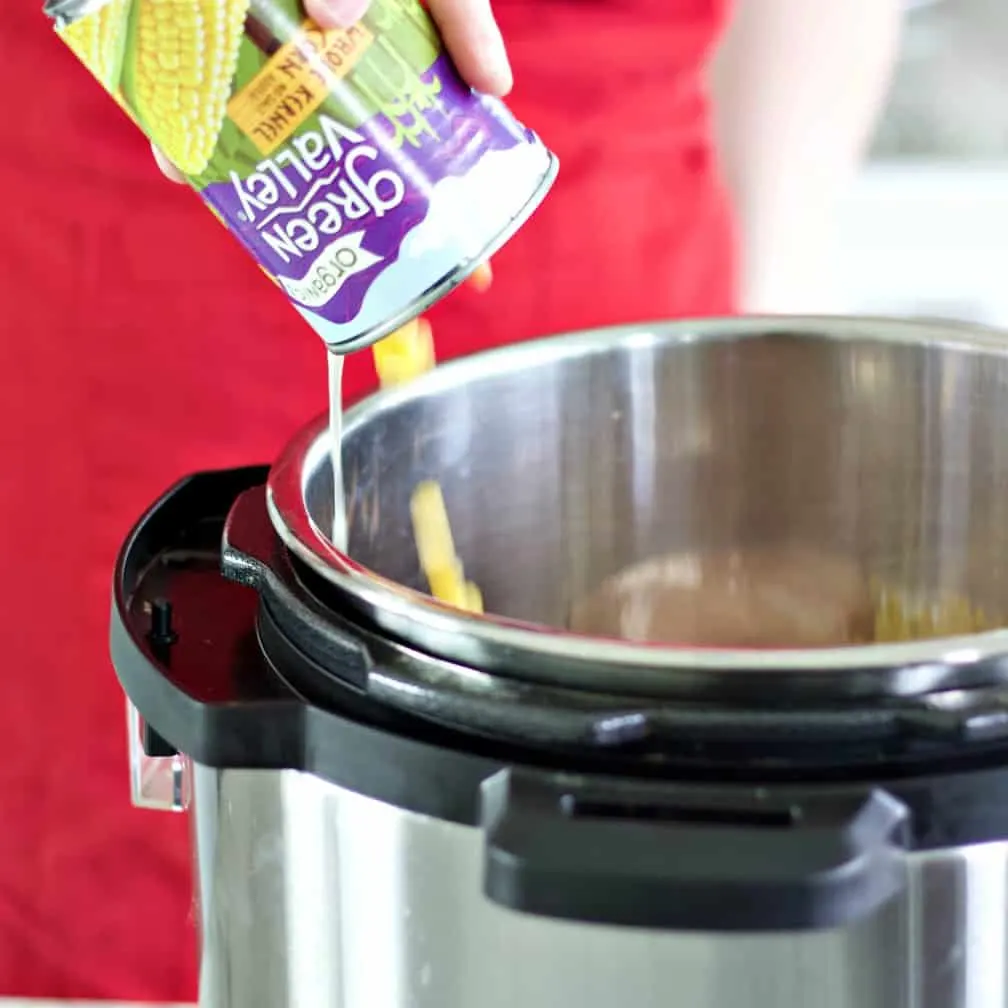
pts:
[355, 165]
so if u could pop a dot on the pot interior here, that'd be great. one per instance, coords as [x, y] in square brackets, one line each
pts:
[878, 445]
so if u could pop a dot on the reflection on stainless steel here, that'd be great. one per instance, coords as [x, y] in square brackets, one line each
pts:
[318, 898]
[156, 782]
[566, 460]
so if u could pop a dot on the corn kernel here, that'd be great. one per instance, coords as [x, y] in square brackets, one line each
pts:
[401, 357]
[185, 58]
[406, 354]
[98, 41]
[431, 529]
[448, 584]
[474, 598]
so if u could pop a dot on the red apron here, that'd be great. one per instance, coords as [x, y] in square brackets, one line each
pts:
[140, 343]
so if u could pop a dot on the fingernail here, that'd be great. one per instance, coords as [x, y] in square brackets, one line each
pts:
[496, 64]
[481, 278]
[503, 77]
[338, 13]
[167, 168]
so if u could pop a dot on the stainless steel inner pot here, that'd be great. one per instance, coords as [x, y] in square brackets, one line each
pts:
[564, 460]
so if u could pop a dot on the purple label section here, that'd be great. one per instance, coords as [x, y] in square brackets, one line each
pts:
[327, 212]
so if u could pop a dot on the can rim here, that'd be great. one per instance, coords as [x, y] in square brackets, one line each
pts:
[65, 12]
[461, 273]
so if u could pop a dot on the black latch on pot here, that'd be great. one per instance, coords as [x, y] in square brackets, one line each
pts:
[697, 859]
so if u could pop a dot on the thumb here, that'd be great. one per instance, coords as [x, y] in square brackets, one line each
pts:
[474, 41]
[468, 27]
[336, 13]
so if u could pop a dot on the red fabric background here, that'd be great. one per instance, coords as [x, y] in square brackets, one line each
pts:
[139, 343]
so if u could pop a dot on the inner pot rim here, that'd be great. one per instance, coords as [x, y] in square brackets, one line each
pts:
[542, 653]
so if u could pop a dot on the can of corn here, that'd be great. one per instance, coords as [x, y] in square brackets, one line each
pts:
[363, 175]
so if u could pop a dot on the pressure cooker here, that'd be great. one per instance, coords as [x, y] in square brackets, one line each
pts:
[398, 804]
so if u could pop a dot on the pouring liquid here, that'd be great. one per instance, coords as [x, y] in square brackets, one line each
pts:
[405, 354]
[340, 532]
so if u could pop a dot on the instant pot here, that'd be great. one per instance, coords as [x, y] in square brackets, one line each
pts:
[397, 804]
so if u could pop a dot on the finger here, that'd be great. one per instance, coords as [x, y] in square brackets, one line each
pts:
[167, 168]
[336, 13]
[481, 278]
[475, 43]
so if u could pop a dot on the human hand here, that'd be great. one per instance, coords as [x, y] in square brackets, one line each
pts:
[469, 31]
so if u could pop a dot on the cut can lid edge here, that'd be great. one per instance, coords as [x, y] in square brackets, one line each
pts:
[65, 12]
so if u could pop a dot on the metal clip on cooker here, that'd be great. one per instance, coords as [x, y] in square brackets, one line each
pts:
[398, 804]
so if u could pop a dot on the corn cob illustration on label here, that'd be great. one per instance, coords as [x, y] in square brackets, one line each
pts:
[99, 41]
[354, 164]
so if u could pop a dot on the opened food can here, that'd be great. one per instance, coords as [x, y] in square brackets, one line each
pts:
[363, 175]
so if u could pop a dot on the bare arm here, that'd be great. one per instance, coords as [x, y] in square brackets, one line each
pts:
[797, 87]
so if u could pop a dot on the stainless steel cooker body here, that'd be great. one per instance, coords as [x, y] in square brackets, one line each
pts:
[399, 805]
[316, 897]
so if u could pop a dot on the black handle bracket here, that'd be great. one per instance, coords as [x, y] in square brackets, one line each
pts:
[697, 859]
[248, 547]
